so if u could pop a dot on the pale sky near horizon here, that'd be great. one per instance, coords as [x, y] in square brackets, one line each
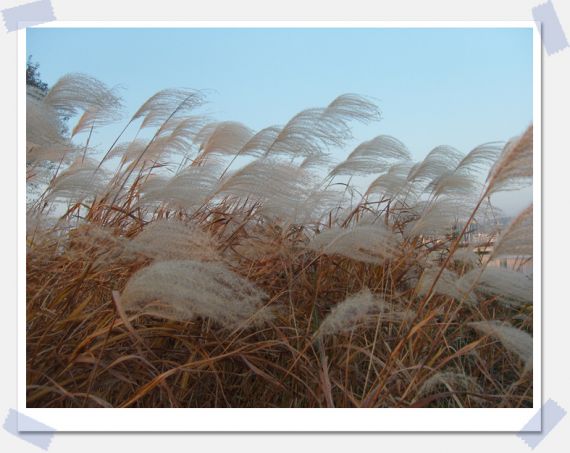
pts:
[460, 87]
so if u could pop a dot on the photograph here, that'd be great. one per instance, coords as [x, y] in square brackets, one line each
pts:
[281, 217]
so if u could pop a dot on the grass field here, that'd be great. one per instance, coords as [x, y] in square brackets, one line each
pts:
[203, 264]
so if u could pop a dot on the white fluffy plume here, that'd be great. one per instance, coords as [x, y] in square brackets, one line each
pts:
[507, 286]
[516, 239]
[282, 190]
[394, 183]
[189, 189]
[79, 181]
[227, 137]
[514, 168]
[162, 105]
[43, 124]
[453, 381]
[369, 243]
[439, 217]
[358, 309]
[80, 94]
[439, 161]
[313, 131]
[448, 284]
[185, 289]
[174, 240]
[514, 340]
[373, 156]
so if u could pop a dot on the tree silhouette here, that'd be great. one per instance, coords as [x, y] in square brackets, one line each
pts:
[33, 76]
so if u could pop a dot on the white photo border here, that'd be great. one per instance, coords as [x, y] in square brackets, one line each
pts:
[287, 419]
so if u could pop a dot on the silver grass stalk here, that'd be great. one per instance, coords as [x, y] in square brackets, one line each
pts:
[313, 131]
[176, 138]
[455, 184]
[517, 238]
[373, 156]
[513, 170]
[439, 160]
[103, 244]
[43, 124]
[183, 290]
[189, 189]
[439, 217]
[227, 137]
[514, 340]
[260, 142]
[315, 161]
[453, 381]
[448, 284]
[513, 166]
[357, 309]
[278, 185]
[466, 256]
[166, 240]
[480, 158]
[78, 182]
[187, 100]
[509, 287]
[80, 94]
[352, 106]
[394, 183]
[159, 107]
[372, 243]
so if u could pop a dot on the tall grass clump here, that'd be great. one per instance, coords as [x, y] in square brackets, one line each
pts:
[201, 263]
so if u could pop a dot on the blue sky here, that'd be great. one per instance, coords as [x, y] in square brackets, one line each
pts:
[459, 87]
